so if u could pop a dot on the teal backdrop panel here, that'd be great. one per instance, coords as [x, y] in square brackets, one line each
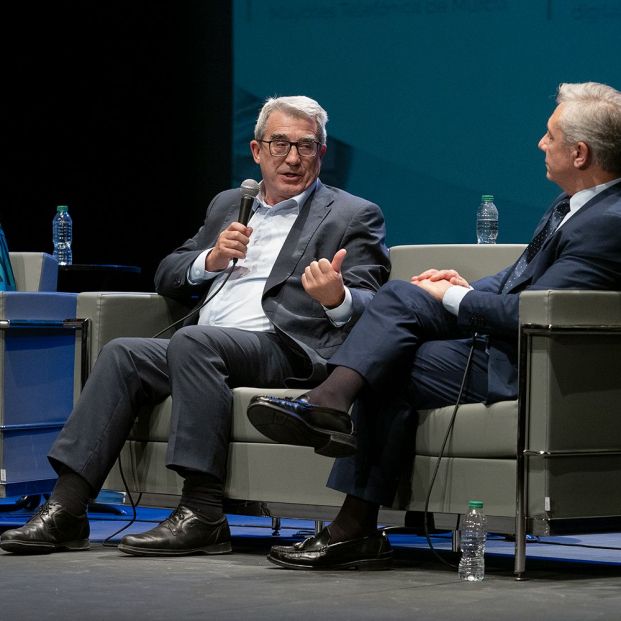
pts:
[431, 102]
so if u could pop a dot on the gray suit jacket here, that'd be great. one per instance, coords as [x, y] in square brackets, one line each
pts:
[329, 220]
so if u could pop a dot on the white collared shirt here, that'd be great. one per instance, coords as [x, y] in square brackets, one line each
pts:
[238, 304]
[579, 199]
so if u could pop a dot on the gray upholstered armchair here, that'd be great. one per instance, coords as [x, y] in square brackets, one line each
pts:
[546, 463]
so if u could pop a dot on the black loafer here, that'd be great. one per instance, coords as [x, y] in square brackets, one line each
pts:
[371, 552]
[296, 421]
[50, 529]
[183, 532]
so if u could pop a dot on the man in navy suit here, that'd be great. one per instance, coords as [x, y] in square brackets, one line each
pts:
[290, 284]
[419, 335]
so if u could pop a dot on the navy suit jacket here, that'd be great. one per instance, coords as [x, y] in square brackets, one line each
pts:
[329, 220]
[584, 253]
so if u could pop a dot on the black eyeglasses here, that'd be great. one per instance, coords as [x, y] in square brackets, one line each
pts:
[281, 148]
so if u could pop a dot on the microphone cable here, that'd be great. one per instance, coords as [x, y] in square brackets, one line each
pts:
[441, 455]
[198, 308]
[437, 467]
[106, 541]
[249, 189]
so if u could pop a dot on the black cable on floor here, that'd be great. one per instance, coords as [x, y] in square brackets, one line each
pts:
[133, 504]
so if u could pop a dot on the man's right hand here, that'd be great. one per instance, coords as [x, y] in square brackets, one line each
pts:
[435, 275]
[232, 243]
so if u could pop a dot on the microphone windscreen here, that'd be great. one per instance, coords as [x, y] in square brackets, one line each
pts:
[249, 188]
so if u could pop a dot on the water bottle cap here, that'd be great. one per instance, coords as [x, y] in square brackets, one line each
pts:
[487, 198]
[61, 208]
[475, 504]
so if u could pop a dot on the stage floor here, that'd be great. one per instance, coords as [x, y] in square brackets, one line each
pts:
[571, 578]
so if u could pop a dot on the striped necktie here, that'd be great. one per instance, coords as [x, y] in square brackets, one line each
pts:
[556, 217]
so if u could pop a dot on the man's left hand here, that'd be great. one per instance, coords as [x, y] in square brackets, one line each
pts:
[322, 280]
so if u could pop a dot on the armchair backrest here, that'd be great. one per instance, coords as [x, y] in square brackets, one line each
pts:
[472, 261]
[34, 271]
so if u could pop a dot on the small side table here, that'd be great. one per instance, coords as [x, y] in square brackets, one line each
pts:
[96, 277]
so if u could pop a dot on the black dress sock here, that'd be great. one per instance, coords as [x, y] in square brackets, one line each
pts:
[72, 491]
[356, 518]
[339, 390]
[203, 494]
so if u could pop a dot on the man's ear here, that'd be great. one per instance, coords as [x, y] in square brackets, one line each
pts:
[255, 149]
[582, 155]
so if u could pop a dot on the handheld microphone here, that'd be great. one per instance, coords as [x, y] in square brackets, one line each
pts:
[249, 189]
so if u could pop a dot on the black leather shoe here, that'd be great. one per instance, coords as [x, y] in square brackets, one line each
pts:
[371, 552]
[296, 421]
[183, 532]
[50, 529]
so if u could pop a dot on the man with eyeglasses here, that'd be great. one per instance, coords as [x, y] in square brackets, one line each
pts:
[291, 285]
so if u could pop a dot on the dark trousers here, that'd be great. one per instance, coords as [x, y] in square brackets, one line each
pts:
[198, 366]
[412, 355]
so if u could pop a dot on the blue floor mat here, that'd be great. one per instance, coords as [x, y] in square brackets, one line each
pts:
[601, 548]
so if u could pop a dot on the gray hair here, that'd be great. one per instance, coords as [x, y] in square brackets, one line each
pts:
[592, 114]
[297, 106]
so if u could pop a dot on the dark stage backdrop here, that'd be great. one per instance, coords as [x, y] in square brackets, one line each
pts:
[123, 109]
[120, 110]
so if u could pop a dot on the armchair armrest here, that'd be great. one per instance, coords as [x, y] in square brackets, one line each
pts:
[569, 368]
[570, 308]
[114, 314]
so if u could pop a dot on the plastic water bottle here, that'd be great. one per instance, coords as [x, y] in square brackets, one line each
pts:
[62, 235]
[487, 220]
[473, 536]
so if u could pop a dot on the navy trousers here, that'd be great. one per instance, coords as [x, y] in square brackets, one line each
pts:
[412, 355]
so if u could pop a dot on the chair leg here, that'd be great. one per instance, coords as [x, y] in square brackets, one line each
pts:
[455, 541]
[519, 567]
